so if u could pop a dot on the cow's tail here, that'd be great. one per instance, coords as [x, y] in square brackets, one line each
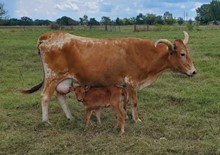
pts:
[33, 89]
[38, 86]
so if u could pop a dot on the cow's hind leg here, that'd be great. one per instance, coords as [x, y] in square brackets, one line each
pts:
[133, 95]
[46, 95]
[63, 103]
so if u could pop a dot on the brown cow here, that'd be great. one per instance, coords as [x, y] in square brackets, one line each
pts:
[69, 60]
[95, 98]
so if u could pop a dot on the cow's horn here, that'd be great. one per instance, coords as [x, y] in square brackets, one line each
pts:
[186, 37]
[165, 41]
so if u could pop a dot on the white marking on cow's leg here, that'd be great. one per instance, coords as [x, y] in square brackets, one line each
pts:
[46, 96]
[62, 101]
[133, 95]
[134, 115]
[44, 104]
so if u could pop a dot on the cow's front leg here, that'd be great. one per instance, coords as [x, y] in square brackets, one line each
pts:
[133, 96]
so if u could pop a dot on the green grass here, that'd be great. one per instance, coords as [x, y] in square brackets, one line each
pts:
[180, 115]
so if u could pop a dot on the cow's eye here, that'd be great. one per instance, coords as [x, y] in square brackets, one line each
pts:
[183, 54]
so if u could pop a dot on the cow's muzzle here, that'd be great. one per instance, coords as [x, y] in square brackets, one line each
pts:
[192, 74]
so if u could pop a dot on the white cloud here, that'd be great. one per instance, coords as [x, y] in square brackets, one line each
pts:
[54, 9]
[35, 9]
[21, 13]
[196, 5]
[92, 6]
[175, 5]
[67, 5]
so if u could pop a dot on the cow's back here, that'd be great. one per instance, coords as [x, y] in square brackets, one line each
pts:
[92, 61]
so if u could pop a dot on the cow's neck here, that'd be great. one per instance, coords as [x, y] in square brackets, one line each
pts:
[159, 64]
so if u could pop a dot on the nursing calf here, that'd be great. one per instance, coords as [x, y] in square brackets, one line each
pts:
[95, 98]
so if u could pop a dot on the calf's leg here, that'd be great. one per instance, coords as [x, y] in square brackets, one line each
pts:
[97, 114]
[88, 116]
[125, 101]
[120, 116]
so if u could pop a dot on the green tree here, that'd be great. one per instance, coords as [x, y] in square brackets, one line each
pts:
[118, 21]
[151, 19]
[106, 21]
[42, 22]
[180, 20]
[26, 21]
[140, 19]
[215, 10]
[93, 21]
[209, 12]
[84, 20]
[14, 22]
[66, 21]
[159, 20]
[127, 21]
[3, 12]
[203, 14]
[168, 18]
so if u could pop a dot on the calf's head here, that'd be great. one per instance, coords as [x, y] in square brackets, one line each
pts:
[80, 92]
[179, 58]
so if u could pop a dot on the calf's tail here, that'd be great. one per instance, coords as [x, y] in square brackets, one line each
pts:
[33, 89]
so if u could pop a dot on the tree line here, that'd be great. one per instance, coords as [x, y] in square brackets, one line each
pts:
[205, 14]
[150, 19]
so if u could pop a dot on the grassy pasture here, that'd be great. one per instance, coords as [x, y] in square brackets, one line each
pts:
[180, 115]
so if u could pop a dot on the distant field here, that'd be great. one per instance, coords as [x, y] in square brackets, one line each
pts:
[180, 115]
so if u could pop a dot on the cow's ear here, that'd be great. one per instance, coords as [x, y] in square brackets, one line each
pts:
[171, 51]
[174, 47]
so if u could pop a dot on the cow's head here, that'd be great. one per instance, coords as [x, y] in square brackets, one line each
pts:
[179, 58]
[80, 92]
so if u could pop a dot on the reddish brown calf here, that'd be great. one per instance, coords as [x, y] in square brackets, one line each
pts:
[97, 97]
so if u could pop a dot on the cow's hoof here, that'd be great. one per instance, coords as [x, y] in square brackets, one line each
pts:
[70, 118]
[46, 123]
[138, 120]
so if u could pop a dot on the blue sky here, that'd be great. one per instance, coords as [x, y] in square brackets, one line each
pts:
[54, 9]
